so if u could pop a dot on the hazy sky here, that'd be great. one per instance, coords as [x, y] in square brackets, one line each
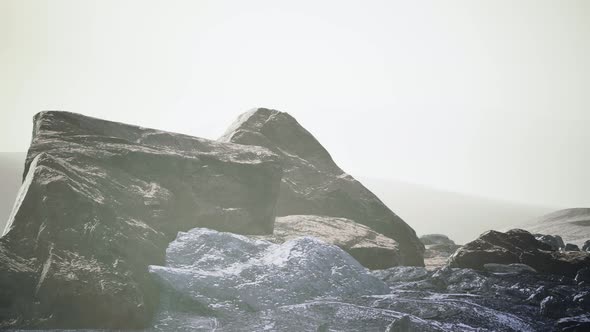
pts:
[485, 97]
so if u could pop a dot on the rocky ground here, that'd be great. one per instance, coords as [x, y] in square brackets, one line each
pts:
[229, 282]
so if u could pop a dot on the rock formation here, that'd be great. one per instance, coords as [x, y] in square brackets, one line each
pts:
[370, 248]
[101, 201]
[518, 246]
[313, 184]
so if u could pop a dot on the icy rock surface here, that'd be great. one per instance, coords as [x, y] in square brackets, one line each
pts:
[229, 272]
[226, 282]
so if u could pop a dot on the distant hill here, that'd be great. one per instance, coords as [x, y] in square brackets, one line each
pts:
[462, 217]
[11, 169]
[573, 225]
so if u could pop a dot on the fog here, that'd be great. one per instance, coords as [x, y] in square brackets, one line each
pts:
[487, 98]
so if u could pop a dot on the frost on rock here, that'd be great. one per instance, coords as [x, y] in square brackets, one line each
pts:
[230, 272]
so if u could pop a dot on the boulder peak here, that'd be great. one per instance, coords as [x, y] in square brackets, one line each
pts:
[313, 184]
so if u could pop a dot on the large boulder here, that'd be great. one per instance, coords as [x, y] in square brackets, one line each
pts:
[101, 201]
[313, 184]
[370, 248]
[518, 246]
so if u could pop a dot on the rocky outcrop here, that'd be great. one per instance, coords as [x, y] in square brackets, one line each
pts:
[518, 246]
[370, 248]
[101, 201]
[586, 246]
[313, 184]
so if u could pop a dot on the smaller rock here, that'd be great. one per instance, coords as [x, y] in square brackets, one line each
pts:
[509, 268]
[583, 275]
[551, 307]
[555, 241]
[586, 246]
[373, 250]
[571, 247]
[429, 239]
[538, 295]
[582, 300]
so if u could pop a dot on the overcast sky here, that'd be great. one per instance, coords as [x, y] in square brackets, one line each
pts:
[483, 97]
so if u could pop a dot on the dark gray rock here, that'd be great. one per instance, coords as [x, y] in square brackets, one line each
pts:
[555, 241]
[552, 307]
[583, 275]
[586, 246]
[313, 184]
[101, 201]
[571, 247]
[430, 239]
[373, 250]
[579, 323]
[518, 246]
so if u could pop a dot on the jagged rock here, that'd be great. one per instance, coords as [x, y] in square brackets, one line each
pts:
[101, 201]
[518, 246]
[228, 272]
[508, 268]
[430, 239]
[370, 248]
[555, 241]
[313, 184]
[571, 247]
[586, 246]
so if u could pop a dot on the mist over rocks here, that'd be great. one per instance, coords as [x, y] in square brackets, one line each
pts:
[101, 201]
[313, 184]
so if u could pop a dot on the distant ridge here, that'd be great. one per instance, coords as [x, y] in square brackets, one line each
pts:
[462, 217]
[573, 225]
